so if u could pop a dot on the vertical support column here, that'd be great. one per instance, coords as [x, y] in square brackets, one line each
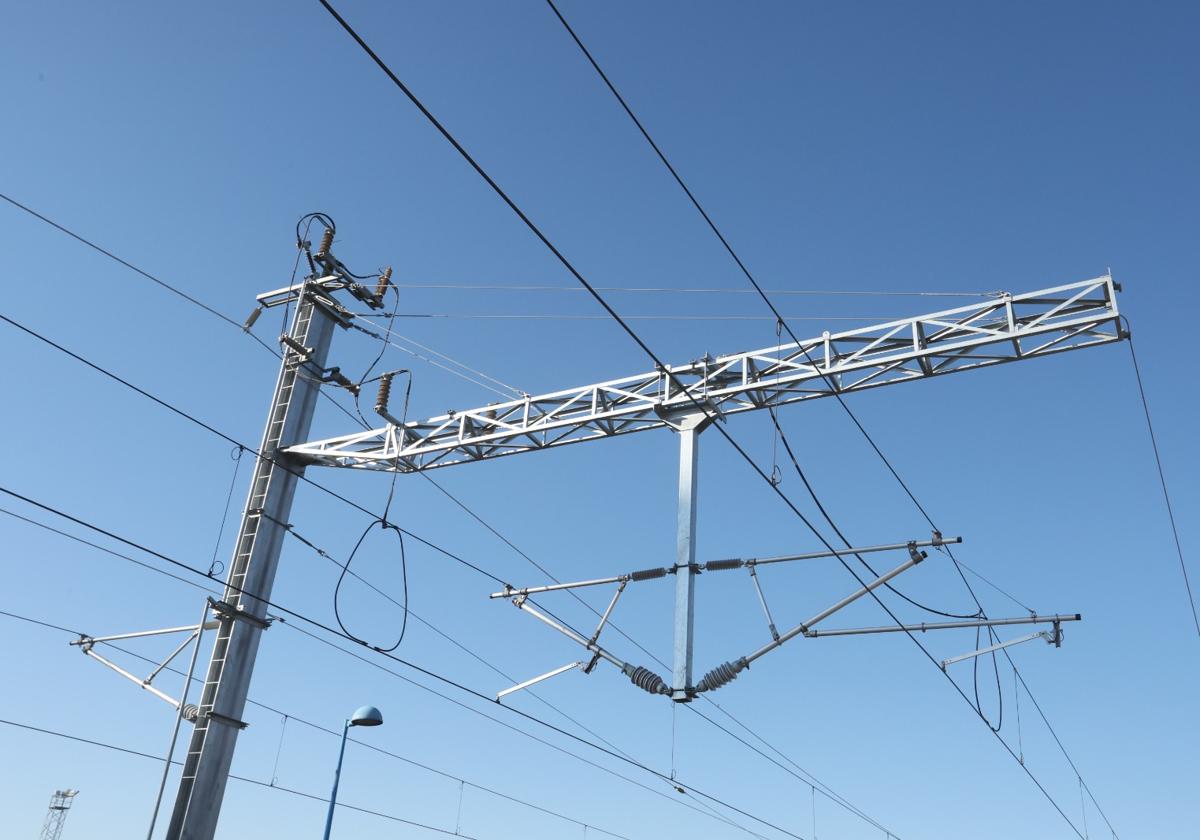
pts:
[256, 558]
[685, 556]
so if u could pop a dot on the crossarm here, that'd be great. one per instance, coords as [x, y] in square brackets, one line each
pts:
[1007, 328]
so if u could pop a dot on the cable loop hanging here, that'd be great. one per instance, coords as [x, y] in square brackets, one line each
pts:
[386, 526]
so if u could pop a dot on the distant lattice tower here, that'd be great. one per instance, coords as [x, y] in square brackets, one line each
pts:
[56, 817]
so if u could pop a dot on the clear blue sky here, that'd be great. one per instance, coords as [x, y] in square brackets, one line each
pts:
[840, 146]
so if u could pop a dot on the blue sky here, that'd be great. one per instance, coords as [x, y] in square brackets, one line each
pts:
[839, 146]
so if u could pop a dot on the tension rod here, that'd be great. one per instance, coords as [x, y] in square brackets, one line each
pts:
[724, 565]
[1052, 637]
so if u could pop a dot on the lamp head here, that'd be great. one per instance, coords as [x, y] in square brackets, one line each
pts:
[366, 716]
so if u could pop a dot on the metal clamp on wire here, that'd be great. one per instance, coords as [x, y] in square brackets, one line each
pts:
[224, 719]
[228, 610]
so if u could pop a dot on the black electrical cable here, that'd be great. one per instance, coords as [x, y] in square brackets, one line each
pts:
[210, 310]
[828, 519]
[667, 372]
[281, 464]
[318, 727]
[979, 613]
[159, 758]
[812, 780]
[438, 631]
[109, 551]
[222, 435]
[242, 446]
[392, 656]
[325, 555]
[754, 283]
[337, 614]
[1162, 479]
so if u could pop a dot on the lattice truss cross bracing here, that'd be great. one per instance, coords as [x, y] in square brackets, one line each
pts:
[1004, 329]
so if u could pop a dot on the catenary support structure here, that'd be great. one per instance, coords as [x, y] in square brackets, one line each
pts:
[685, 398]
[690, 397]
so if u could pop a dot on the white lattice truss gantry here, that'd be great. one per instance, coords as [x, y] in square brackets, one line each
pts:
[1002, 329]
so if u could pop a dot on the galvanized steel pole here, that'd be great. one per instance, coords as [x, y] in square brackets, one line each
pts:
[256, 558]
[685, 556]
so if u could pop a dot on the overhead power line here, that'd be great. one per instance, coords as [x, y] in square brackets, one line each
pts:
[707, 811]
[318, 727]
[782, 323]
[216, 313]
[533, 228]
[693, 290]
[802, 775]
[333, 631]
[559, 316]
[1162, 480]
[825, 790]
[129, 751]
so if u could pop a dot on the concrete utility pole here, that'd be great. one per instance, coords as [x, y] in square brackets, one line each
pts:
[241, 616]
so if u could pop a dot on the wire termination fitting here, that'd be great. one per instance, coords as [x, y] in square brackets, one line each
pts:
[646, 679]
[723, 674]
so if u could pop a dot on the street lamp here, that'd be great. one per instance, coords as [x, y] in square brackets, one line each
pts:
[363, 716]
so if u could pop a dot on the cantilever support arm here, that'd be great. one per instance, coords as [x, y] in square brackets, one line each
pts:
[725, 565]
[643, 678]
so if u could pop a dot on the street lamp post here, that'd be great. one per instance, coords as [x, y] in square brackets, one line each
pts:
[363, 716]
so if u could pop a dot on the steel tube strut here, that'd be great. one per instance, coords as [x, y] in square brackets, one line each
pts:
[535, 680]
[946, 625]
[1040, 634]
[523, 605]
[828, 611]
[723, 565]
[685, 557]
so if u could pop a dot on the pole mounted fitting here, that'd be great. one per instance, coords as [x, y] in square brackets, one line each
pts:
[326, 243]
[251, 319]
[296, 347]
[646, 679]
[723, 674]
[382, 397]
[385, 280]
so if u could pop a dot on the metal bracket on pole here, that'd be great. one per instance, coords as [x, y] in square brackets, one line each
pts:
[87, 644]
[227, 610]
